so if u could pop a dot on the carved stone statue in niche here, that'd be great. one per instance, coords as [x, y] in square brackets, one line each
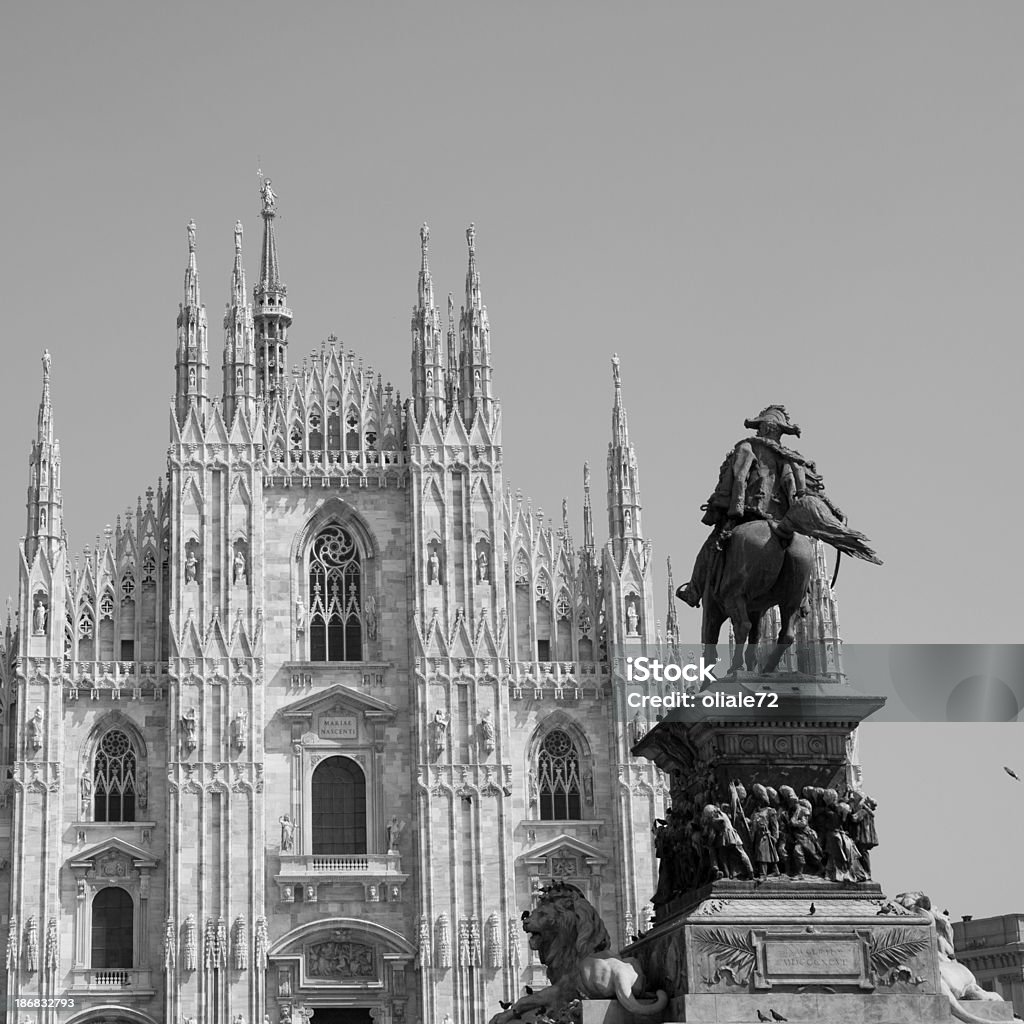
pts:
[395, 828]
[482, 567]
[35, 730]
[632, 618]
[191, 567]
[39, 618]
[287, 833]
[439, 732]
[239, 575]
[637, 730]
[188, 732]
[238, 730]
[487, 732]
[300, 616]
[370, 616]
[142, 788]
[86, 791]
[433, 568]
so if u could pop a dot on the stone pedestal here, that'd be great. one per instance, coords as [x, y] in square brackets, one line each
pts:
[740, 947]
[808, 948]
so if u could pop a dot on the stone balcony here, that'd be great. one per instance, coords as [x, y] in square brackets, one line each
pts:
[125, 982]
[379, 874]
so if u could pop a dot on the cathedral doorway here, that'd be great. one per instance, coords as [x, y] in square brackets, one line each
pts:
[341, 1015]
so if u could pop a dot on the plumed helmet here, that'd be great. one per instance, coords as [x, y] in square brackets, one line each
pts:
[775, 415]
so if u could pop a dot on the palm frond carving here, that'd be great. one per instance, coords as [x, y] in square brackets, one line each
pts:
[891, 949]
[733, 952]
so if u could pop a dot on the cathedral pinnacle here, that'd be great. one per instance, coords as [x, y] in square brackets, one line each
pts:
[426, 286]
[45, 432]
[45, 525]
[429, 386]
[192, 363]
[623, 478]
[238, 272]
[588, 512]
[272, 315]
[191, 273]
[473, 299]
[239, 343]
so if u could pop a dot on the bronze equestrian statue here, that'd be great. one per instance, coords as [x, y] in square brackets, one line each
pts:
[769, 501]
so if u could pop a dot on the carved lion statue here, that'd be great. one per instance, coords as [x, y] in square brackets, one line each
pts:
[573, 944]
[957, 980]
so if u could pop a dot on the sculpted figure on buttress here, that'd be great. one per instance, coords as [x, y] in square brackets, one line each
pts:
[239, 568]
[287, 833]
[439, 732]
[35, 730]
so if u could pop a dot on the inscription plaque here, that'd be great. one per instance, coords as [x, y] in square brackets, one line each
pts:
[812, 956]
[337, 727]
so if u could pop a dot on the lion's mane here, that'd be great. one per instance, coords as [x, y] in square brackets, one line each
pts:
[577, 931]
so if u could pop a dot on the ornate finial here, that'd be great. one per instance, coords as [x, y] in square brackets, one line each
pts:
[46, 364]
[615, 370]
[471, 237]
[238, 236]
[424, 237]
[267, 194]
[586, 476]
[191, 236]
[451, 309]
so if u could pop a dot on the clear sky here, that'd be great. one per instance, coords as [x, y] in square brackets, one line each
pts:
[800, 202]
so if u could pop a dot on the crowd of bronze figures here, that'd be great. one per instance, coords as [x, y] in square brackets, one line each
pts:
[765, 833]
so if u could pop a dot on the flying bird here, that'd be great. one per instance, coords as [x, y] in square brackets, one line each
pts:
[1011, 773]
[813, 909]
[761, 1016]
[777, 1016]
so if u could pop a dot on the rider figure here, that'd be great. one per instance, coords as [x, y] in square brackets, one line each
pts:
[762, 479]
[759, 479]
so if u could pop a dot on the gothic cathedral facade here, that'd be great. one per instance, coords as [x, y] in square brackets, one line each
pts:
[302, 733]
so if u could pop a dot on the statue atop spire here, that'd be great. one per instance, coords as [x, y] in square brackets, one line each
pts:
[238, 236]
[46, 367]
[191, 235]
[268, 195]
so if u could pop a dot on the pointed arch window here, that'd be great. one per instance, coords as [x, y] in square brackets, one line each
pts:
[114, 778]
[558, 778]
[316, 437]
[335, 597]
[339, 807]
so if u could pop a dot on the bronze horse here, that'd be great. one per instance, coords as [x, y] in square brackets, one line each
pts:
[753, 574]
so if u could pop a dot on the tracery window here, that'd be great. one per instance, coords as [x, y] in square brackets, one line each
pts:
[335, 597]
[114, 778]
[113, 920]
[558, 778]
[339, 807]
